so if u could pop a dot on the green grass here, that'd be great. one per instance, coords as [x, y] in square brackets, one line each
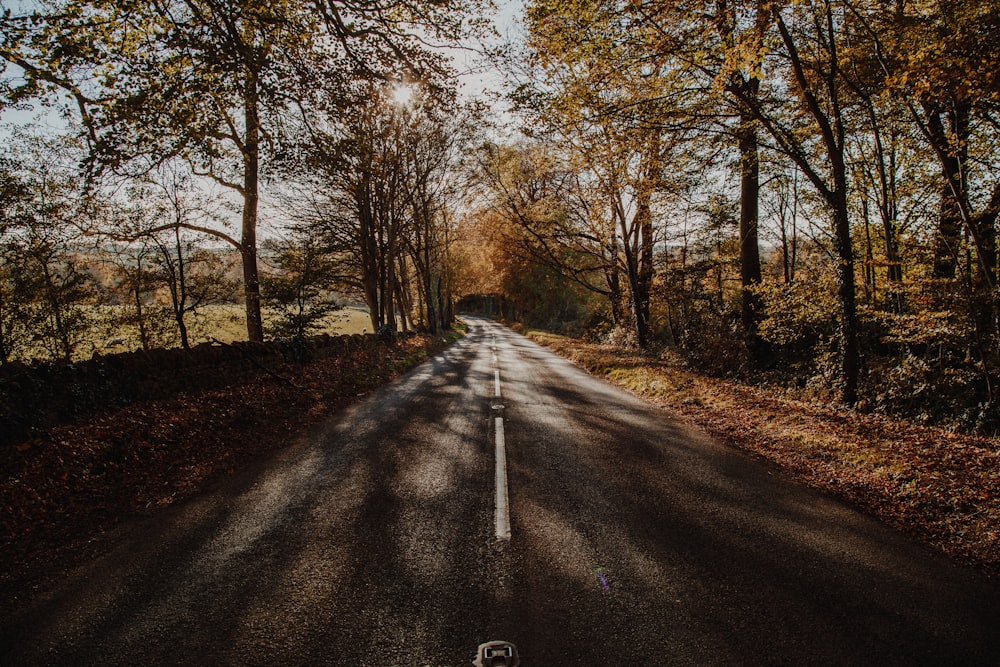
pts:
[349, 320]
[228, 323]
[223, 322]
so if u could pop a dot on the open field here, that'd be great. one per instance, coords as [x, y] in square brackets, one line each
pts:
[228, 323]
[110, 334]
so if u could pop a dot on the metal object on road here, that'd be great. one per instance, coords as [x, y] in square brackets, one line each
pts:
[495, 653]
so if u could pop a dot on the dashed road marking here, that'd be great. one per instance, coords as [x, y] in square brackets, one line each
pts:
[502, 517]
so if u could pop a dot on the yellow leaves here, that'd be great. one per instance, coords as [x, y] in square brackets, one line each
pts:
[746, 54]
[921, 328]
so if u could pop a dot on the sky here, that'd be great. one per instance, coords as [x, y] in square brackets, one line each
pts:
[477, 80]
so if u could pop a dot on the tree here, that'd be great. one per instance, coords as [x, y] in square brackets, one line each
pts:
[937, 64]
[136, 278]
[298, 291]
[501, 278]
[194, 276]
[743, 72]
[939, 61]
[168, 79]
[375, 180]
[209, 81]
[43, 293]
[547, 217]
[432, 144]
[814, 136]
[600, 91]
[365, 172]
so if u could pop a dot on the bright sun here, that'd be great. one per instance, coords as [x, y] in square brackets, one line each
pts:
[402, 94]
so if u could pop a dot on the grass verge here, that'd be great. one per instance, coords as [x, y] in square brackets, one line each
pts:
[939, 486]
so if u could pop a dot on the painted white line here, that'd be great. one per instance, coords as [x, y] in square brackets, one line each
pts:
[496, 382]
[502, 511]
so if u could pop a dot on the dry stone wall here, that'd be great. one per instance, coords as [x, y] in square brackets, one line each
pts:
[33, 397]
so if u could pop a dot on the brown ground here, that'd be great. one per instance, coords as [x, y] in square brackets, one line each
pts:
[939, 486]
[61, 490]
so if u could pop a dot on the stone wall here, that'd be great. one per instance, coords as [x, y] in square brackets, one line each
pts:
[38, 396]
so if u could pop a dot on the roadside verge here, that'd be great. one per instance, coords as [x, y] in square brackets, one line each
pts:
[941, 487]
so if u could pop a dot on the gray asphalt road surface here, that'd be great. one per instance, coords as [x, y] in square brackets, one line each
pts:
[633, 540]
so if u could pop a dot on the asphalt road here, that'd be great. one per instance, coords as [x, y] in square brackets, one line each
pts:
[633, 540]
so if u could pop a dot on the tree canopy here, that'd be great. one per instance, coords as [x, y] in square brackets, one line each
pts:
[800, 193]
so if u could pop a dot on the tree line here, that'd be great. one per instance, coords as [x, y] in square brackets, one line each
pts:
[804, 192]
[178, 114]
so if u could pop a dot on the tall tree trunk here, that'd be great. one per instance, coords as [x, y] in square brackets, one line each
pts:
[894, 296]
[644, 227]
[791, 263]
[404, 294]
[403, 300]
[949, 131]
[251, 198]
[750, 270]
[390, 282]
[443, 307]
[433, 320]
[179, 292]
[613, 278]
[447, 303]
[140, 318]
[848, 352]
[944, 130]
[746, 86]
[889, 209]
[639, 301]
[868, 268]
[829, 120]
[4, 352]
[55, 308]
[368, 253]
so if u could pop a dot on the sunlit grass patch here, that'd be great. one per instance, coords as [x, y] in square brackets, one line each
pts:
[349, 320]
[655, 383]
[112, 328]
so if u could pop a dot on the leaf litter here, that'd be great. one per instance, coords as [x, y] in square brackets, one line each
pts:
[937, 485]
[65, 487]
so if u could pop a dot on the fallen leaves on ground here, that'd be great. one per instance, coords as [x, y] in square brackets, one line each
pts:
[70, 483]
[940, 486]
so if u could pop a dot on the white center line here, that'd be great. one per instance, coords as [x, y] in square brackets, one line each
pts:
[502, 516]
[502, 511]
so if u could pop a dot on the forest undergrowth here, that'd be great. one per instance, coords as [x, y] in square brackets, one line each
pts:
[940, 486]
[64, 489]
